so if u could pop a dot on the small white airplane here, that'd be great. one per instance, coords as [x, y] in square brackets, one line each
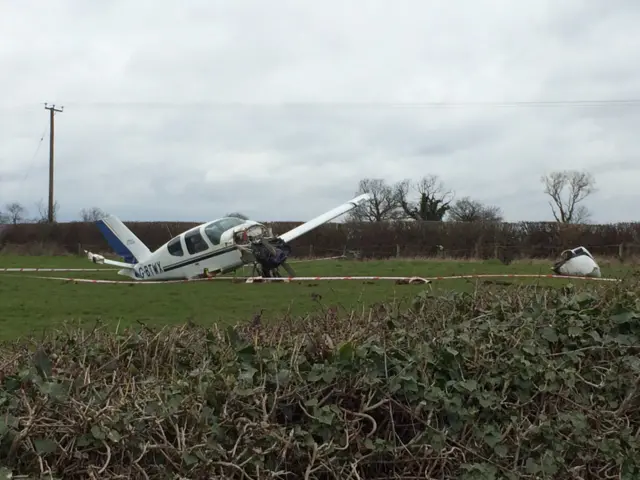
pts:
[577, 262]
[220, 246]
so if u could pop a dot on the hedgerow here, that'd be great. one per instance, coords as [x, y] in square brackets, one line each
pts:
[372, 240]
[521, 382]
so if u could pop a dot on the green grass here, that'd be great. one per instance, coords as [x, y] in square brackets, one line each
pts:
[28, 305]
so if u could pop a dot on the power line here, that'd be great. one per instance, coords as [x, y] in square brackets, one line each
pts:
[52, 111]
[622, 102]
[629, 102]
[30, 164]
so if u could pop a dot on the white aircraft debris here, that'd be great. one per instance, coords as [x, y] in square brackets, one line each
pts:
[577, 262]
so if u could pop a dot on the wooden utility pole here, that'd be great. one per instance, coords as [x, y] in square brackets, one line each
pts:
[52, 110]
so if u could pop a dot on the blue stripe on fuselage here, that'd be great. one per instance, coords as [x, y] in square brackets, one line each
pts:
[115, 243]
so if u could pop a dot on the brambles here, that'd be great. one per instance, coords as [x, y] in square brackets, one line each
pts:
[518, 382]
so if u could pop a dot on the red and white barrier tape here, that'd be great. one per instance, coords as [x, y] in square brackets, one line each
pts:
[9, 270]
[303, 279]
[428, 279]
[17, 270]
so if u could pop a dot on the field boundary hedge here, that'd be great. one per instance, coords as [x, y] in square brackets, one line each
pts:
[374, 240]
[517, 383]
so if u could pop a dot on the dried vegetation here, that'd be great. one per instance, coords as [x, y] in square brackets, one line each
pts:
[520, 382]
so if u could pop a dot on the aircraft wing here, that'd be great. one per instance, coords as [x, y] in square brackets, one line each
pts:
[324, 218]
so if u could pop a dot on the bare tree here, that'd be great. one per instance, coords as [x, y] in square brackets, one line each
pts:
[384, 203]
[92, 214]
[43, 211]
[433, 199]
[4, 218]
[578, 185]
[468, 210]
[239, 215]
[16, 212]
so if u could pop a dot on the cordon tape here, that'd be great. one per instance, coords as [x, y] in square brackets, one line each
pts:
[410, 280]
[57, 269]
[20, 270]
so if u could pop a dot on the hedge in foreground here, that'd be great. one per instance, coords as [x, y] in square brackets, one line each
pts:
[520, 383]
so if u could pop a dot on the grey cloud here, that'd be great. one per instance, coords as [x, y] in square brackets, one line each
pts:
[278, 111]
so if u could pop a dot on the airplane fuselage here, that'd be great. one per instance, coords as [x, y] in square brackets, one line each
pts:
[209, 247]
[220, 246]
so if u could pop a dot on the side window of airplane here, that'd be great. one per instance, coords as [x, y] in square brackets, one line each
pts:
[195, 242]
[175, 247]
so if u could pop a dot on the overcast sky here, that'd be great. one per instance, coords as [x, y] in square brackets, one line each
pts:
[187, 110]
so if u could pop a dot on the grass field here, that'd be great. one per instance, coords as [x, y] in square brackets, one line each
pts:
[505, 382]
[29, 305]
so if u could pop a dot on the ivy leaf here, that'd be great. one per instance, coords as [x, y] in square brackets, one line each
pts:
[43, 363]
[114, 436]
[97, 432]
[189, 460]
[501, 450]
[346, 351]
[574, 331]
[469, 385]
[633, 363]
[328, 375]
[54, 390]
[44, 446]
[492, 436]
[624, 316]
[325, 415]
[247, 375]
[84, 440]
[549, 334]
[532, 466]
[283, 376]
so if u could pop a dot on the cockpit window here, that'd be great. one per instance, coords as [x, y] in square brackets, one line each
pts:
[215, 229]
[175, 247]
[195, 242]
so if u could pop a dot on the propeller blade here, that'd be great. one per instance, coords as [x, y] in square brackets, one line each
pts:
[288, 268]
[270, 247]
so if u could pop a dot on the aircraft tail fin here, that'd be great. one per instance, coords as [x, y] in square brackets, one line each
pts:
[122, 240]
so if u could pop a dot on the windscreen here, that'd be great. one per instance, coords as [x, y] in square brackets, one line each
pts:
[215, 229]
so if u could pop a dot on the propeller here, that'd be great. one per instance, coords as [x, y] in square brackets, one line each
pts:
[271, 254]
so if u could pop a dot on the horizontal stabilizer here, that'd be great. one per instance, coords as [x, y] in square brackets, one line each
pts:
[99, 259]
